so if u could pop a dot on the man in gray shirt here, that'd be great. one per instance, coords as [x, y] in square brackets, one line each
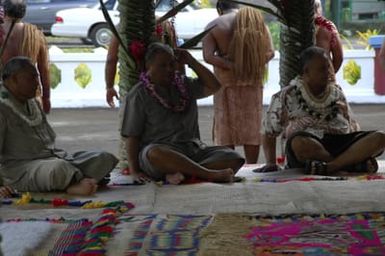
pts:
[29, 160]
[161, 123]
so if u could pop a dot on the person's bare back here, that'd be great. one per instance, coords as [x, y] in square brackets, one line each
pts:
[223, 32]
[217, 41]
[12, 49]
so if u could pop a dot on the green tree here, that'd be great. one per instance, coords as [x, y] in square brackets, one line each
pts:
[137, 24]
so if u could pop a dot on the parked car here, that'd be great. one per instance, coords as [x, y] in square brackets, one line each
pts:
[42, 13]
[89, 23]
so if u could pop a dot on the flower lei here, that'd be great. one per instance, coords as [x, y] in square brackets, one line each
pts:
[329, 108]
[178, 83]
[34, 119]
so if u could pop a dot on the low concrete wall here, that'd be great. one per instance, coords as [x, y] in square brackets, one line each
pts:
[68, 94]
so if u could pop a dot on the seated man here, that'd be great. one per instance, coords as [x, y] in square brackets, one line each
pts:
[315, 117]
[28, 159]
[161, 123]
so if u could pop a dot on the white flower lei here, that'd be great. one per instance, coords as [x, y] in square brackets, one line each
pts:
[313, 102]
[34, 119]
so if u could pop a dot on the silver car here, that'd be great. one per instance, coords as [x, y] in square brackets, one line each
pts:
[42, 13]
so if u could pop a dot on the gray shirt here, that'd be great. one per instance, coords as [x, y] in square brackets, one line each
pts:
[146, 118]
[24, 131]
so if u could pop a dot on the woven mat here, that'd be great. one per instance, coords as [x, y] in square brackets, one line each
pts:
[221, 234]
[64, 236]
[352, 234]
[158, 235]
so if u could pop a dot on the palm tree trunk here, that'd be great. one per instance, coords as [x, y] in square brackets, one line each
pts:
[137, 23]
[296, 36]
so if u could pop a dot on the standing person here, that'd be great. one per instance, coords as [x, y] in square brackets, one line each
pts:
[165, 33]
[327, 37]
[26, 40]
[239, 47]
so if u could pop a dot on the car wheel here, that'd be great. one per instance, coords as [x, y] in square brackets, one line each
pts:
[101, 35]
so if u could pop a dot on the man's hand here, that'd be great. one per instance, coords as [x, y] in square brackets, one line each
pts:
[183, 56]
[140, 177]
[46, 105]
[267, 168]
[110, 94]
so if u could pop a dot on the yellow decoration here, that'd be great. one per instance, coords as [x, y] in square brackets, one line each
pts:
[83, 75]
[363, 37]
[94, 205]
[55, 75]
[352, 72]
[25, 199]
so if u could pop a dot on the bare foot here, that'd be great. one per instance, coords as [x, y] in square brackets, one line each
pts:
[175, 178]
[85, 187]
[221, 176]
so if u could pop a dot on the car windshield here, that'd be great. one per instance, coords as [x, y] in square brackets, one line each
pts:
[166, 5]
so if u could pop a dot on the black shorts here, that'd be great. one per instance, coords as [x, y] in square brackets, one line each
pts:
[335, 144]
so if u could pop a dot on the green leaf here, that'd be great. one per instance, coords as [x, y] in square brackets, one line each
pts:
[196, 39]
[263, 8]
[110, 23]
[173, 11]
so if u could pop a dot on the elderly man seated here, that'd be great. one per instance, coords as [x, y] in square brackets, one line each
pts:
[316, 119]
[161, 123]
[28, 158]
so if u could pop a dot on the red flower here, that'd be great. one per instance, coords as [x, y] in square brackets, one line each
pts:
[159, 31]
[281, 160]
[137, 50]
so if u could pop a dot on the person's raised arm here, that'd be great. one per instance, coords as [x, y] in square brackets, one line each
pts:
[337, 54]
[43, 67]
[110, 71]
[209, 81]
[209, 47]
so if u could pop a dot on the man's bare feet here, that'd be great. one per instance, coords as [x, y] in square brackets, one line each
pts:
[221, 176]
[85, 187]
[175, 178]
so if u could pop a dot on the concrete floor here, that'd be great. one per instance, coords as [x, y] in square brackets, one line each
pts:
[96, 128]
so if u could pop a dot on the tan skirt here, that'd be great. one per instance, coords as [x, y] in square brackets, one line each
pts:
[237, 112]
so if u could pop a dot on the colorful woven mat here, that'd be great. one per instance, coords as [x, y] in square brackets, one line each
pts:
[81, 236]
[165, 235]
[352, 234]
[370, 177]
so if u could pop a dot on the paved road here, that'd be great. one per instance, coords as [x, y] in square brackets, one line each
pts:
[97, 128]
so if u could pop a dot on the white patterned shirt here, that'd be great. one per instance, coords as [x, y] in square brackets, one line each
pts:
[294, 109]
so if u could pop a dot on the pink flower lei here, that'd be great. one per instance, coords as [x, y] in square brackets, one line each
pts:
[178, 83]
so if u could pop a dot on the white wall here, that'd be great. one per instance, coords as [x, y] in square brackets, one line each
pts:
[70, 95]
